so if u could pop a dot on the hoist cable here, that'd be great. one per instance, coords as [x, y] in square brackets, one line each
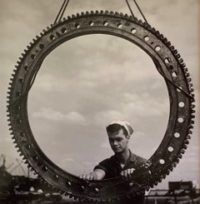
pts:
[129, 8]
[140, 10]
[61, 11]
[138, 7]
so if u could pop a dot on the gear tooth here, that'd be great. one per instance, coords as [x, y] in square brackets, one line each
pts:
[101, 12]
[186, 142]
[28, 47]
[162, 36]
[184, 147]
[183, 66]
[192, 95]
[192, 122]
[116, 13]
[96, 12]
[106, 12]
[182, 151]
[48, 28]
[180, 60]
[172, 48]
[126, 15]
[141, 22]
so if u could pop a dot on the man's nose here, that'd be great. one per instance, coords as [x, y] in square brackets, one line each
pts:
[115, 142]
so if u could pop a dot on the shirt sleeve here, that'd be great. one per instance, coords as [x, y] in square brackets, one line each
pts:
[104, 165]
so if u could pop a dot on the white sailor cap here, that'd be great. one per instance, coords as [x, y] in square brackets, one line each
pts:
[124, 124]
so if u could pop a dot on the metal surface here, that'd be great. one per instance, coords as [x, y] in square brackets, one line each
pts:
[168, 63]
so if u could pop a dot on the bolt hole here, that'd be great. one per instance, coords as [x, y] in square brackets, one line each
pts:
[177, 135]
[18, 93]
[20, 80]
[32, 56]
[133, 30]
[96, 189]
[119, 25]
[52, 37]
[25, 67]
[91, 23]
[180, 120]
[157, 48]
[41, 46]
[105, 23]
[167, 60]
[181, 104]
[170, 149]
[146, 38]
[63, 30]
[179, 89]
[174, 74]
[77, 26]
[162, 161]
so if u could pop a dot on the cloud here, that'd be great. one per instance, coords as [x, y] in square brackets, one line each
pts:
[50, 114]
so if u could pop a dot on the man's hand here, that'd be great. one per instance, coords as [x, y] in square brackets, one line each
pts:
[90, 176]
[127, 173]
[97, 174]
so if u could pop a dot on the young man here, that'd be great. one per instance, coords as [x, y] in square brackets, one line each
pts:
[123, 162]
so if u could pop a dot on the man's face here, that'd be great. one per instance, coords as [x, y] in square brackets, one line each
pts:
[118, 141]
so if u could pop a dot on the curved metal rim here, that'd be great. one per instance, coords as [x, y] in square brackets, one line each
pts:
[168, 63]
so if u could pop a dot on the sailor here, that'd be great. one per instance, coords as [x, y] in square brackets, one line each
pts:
[123, 162]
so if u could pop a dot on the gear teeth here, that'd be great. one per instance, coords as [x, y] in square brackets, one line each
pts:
[148, 27]
[112, 13]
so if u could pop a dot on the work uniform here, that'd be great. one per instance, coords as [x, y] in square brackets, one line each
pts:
[112, 168]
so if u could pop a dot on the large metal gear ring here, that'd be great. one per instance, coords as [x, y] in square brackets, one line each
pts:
[169, 65]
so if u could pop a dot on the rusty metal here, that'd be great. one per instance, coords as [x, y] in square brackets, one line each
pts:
[167, 62]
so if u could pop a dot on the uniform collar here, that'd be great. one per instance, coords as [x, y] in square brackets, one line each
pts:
[131, 158]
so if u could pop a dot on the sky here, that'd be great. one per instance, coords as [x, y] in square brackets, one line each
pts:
[90, 81]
